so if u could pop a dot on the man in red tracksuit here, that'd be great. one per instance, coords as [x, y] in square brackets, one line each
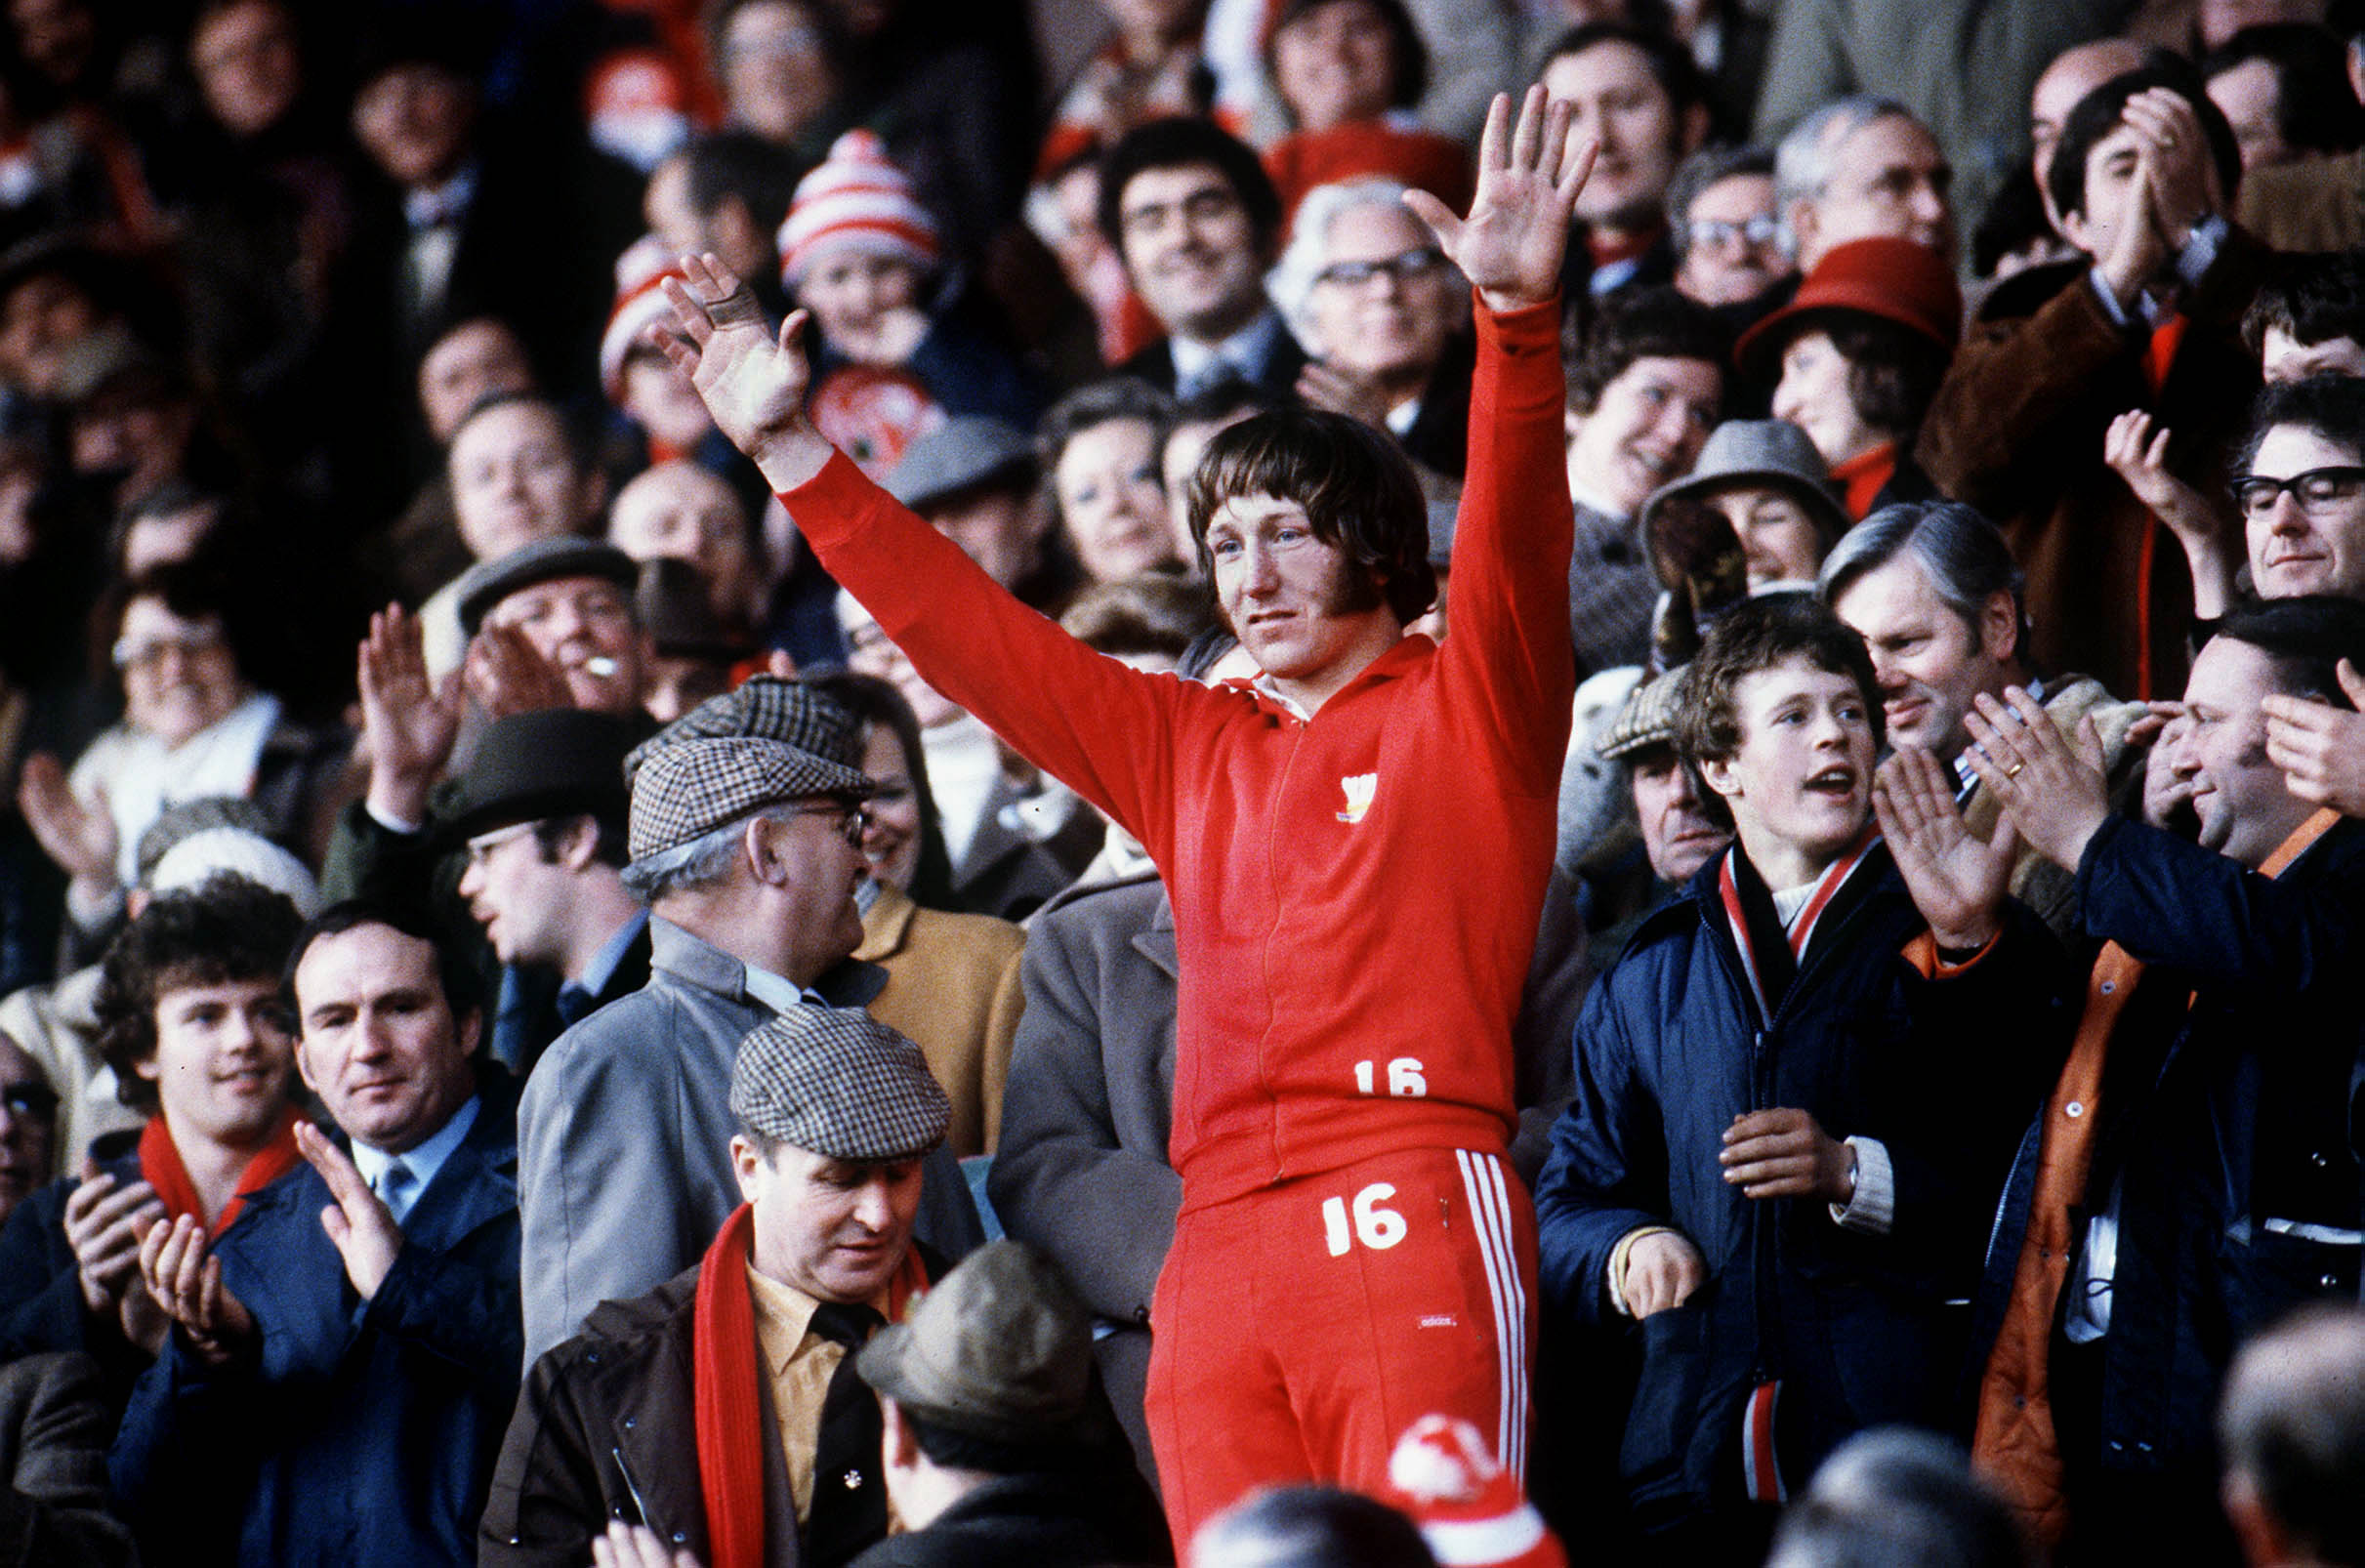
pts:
[1357, 843]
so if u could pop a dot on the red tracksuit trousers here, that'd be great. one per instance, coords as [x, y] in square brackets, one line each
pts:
[1298, 1331]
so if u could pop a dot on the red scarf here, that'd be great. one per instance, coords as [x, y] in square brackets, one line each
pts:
[726, 1397]
[1863, 477]
[160, 1163]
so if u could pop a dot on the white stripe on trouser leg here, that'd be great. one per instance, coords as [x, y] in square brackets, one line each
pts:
[1490, 1223]
[1519, 1316]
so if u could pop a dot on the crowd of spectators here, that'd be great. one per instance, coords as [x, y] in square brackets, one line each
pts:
[868, 781]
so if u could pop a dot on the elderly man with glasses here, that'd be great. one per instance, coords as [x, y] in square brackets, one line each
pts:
[745, 833]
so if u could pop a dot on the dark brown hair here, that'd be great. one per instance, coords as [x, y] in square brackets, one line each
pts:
[1358, 492]
[226, 931]
[1759, 634]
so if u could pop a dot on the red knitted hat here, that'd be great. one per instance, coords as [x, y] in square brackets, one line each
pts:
[1899, 280]
[641, 274]
[857, 195]
[1469, 1509]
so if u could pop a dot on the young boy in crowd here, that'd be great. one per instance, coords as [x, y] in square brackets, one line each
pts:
[1796, 1095]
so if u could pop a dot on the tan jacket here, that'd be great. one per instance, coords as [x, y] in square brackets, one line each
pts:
[952, 985]
[59, 1027]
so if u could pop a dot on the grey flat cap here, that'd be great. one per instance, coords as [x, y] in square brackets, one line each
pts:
[687, 790]
[1649, 718]
[837, 1081]
[765, 706]
[1772, 452]
[489, 582]
[1000, 1348]
[965, 452]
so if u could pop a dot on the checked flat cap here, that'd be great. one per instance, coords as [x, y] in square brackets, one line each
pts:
[1649, 718]
[765, 706]
[837, 1081]
[687, 789]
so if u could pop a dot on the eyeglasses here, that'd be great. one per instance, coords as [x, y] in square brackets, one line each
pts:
[1403, 267]
[855, 818]
[2318, 491]
[481, 848]
[33, 1102]
[1719, 234]
[146, 652]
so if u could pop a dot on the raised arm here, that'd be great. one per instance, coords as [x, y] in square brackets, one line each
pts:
[1102, 729]
[1509, 659]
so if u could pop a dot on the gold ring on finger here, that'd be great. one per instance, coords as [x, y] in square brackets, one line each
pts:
[2014, 771]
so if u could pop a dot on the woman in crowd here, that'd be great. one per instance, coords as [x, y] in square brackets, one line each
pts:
[193, 725]
[1862, 349]
[1348, 73]
[1101, 446]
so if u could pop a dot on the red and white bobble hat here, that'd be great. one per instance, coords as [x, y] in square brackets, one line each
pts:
[641, 274]
[856, 195]
[1469, 1507]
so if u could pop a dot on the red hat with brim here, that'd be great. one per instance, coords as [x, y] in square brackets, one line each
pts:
[1899, 280]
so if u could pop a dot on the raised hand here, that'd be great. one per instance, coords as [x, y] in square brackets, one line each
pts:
[752, 380]
[2320, 748]
[2138, 252]
[1785, 1153]
[361, 1227]
[2168, 785]
[2183, 186]
[1341, 390]
[186, 1280]
[2055, 792]
[1512, 244]
[1661, 1270]
[408, 721]
[80, 838]
[104, 1220]
[1957, 881]
[508, 674]
[2137, 450]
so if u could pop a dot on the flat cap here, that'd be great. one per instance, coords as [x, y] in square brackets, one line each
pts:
[837, 1081]
[1649, 718]
[687, 789]
[765, 706]
[555, 762]
[489, 582]
[1000, 1348]
[965, 452]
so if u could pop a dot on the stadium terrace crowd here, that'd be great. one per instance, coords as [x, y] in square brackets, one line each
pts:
[1244, 783]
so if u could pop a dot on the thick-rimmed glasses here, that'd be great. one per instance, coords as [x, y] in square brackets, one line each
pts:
[2318, 491]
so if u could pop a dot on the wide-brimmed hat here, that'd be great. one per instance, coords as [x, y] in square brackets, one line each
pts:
[1901, 281]
[555, 762]
[1000, 1348]
[837, 1081]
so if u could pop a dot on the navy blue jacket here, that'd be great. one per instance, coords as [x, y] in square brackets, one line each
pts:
[367, 1431]
[1855, 1327]
[41, 1304]
[2224, 1123]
